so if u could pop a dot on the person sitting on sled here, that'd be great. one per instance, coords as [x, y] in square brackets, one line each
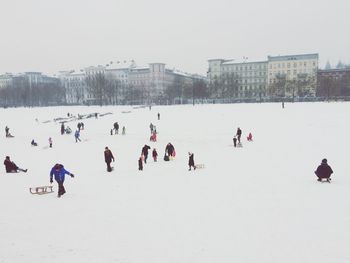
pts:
[323, 171]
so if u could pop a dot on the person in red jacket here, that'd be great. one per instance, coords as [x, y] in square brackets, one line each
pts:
[11, 167]
[250, 137]
[324, 171]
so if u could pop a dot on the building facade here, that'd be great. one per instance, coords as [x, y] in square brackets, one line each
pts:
[292, 75]
[248, 79]
[148, 83]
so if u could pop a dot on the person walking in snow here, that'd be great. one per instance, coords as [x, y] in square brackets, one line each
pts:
[123, 131]
[191, 161]
[62, 129]
[239, 134]
[11, 167]
[79, 126]
[154, 154]
[144, 152]
[158, 116]
[7, 131]
[151, 127]
[116, 127]
[50, 142]
[59, 172]
[323, 171]
[77, 136]
[108, 158]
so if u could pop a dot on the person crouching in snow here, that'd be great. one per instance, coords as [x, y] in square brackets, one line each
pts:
[250, 137]
[59, 172]
[33, 143]
[11, 167]
[154, 154]
[323, 171]
[191, 161]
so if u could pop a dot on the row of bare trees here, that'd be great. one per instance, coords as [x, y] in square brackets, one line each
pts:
[329, 86]
[23, 93]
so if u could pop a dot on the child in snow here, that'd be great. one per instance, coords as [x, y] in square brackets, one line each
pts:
[140, 164]
[154, 154]
[77, 135]
[191, 161]
[33, 143]
[234, 141]
[250, 137]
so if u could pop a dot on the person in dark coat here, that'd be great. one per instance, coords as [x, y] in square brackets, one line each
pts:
[239, 134]
[235, 141]
[140, 164]
[7, 130]
[116, 127]
[79, 126]
[33, 143]
[59, 172]
[154, 154]
[11, 167]
[169, 149]
[323, 170]
[191, 161]
[158, 116]
[62, 128]
[144, 152]
[108, 158]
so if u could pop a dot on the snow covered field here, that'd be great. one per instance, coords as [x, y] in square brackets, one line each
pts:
[259, 203]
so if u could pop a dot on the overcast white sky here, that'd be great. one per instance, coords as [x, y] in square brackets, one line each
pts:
[53, 35]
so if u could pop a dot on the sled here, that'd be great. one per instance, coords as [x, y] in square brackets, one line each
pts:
[324, 180]
[41, 190]
[200, 166]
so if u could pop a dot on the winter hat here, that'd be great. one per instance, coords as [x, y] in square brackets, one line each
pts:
[324, 160]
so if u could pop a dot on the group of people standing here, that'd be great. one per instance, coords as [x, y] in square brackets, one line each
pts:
[115, 129]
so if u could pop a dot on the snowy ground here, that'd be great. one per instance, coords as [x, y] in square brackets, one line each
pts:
[259, 203]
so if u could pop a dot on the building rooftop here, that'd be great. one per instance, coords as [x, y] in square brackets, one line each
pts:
[293, 57]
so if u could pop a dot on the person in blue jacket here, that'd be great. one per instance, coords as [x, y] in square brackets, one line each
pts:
[77, 135]
[59, 172]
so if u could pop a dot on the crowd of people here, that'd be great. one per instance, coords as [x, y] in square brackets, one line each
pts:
[58, 171]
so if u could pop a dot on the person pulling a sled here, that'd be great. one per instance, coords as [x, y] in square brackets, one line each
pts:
[59, 172]
[324, 171]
